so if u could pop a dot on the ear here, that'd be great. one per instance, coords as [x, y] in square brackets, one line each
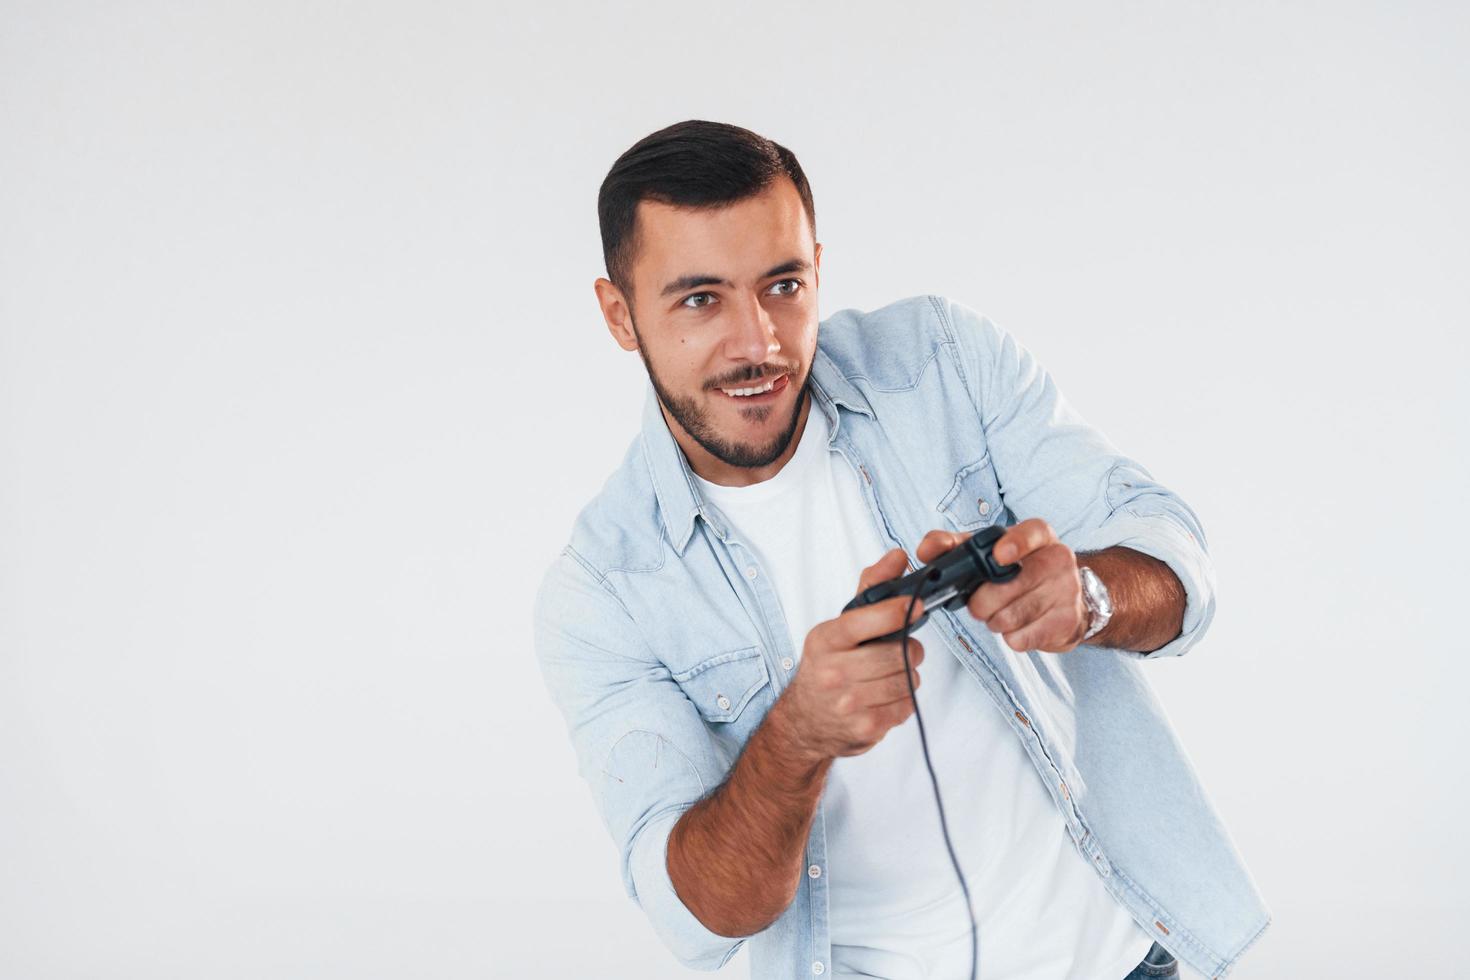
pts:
[817, 266]
[615, 312]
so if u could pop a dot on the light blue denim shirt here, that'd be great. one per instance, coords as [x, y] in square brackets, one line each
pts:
[662, 642]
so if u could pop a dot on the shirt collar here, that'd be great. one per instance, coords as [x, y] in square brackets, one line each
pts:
[679, 499]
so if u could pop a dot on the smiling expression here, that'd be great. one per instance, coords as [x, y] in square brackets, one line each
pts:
[726, 302]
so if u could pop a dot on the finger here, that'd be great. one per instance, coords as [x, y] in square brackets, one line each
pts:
[876, 660]
[1026, 609]
[889, 717]
[1021, 539]
[878, 619]
[901, 712]
[991, 597]
[875, 694]
[893, 564]
[1053, 561]
[937, 542]
[1051, 631]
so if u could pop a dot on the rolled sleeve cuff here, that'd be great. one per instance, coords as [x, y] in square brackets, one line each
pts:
[1162, 538]
[649, 883]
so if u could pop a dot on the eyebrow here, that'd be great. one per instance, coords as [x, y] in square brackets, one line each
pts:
[689, 282]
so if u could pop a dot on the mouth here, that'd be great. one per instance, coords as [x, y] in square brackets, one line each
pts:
[757, 394]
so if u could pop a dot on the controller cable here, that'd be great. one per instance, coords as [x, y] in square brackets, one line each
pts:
[924, 742]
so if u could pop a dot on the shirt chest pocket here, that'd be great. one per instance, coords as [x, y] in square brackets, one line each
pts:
[973, 499]
[723, 688]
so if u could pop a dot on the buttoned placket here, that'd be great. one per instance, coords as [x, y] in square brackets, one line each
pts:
[1031, 739]
[763, 605]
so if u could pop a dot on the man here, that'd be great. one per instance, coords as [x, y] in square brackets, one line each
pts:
[758, 766]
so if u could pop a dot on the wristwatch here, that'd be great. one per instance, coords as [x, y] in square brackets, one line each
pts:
[1095, 596]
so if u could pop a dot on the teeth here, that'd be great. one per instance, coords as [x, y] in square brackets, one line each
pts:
[750, 391]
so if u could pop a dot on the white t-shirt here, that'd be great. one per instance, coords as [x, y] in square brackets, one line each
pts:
[896, 908]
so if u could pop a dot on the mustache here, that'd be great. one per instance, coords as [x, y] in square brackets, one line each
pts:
[749, 379]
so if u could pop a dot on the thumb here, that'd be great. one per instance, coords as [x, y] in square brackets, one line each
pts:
[893, 564]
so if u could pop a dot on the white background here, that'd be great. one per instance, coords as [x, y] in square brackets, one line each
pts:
[302, 383]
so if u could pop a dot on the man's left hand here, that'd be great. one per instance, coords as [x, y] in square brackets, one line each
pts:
[1040, 609]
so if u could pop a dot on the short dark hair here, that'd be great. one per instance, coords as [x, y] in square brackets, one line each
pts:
[694, 163]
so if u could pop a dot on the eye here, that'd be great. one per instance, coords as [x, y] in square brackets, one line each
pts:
[695, 306]
[796, 284]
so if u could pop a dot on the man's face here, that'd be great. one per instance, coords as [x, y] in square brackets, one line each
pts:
[726, 299]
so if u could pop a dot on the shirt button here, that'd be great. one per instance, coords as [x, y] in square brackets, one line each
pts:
[723, 702]
[817, 967]
[787, 663]
[750, 571]
[984, 506]
[814, 871]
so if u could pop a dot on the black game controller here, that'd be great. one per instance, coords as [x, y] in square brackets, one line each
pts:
[948, 581]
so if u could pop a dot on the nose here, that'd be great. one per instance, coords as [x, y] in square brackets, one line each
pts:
[752, 335]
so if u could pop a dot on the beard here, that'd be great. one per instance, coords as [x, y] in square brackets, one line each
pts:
[695, 421]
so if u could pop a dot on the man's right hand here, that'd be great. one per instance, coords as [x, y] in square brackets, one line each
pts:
[844, 697]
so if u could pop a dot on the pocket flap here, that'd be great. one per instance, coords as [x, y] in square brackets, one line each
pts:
[973, 501]
[723, 685]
